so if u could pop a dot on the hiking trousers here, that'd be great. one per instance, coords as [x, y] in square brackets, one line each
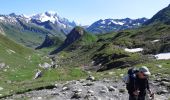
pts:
[132, 97]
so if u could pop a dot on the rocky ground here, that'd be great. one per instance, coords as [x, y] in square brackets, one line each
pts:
[90, 89]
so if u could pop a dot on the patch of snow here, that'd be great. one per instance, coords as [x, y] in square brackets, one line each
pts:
[103, 22]
[2, 18]
[162, 56]
[120, 23]
[133, 50]
[43, 17]
[117, 22]
[102, 26]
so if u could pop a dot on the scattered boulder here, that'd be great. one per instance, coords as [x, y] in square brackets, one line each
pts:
[162, 91]
[65, 88]
[38, 74]
[165, 79]
[39, 98]
[56, 85]
[104, 89]
[91, 78]
[45, 65]
[89, 84]
[77, 90]
[76, 95]
[159, 66]
[164, 83]
[111, 88]
[1, 88]
[121, 75]
[122, 90]
[82, 80]
[90, 91]
[2, 65]
[55, 93]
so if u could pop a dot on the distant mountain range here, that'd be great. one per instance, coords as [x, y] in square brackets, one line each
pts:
[31, 30]
[48, 20]
[108, 25]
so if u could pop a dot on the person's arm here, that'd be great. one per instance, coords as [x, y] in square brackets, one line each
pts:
[136, 87]
[148, 87]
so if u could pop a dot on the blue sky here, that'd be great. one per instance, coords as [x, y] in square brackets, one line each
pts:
[86, 11]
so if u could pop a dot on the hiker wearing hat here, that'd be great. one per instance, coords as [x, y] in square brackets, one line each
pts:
[137, 83]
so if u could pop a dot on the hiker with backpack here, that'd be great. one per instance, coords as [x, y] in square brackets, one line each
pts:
[137, 83]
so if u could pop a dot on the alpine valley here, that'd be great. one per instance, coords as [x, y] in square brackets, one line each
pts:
[45, 56]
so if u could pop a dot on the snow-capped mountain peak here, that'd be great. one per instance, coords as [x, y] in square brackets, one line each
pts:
[47, 16]
[49, 20]
[108, 25]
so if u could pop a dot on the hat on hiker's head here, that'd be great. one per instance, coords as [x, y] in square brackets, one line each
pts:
[145, 70]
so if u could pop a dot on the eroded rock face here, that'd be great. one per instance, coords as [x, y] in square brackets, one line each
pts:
[74, 35]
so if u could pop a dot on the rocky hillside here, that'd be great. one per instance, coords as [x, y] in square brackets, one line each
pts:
[119, 49]
[77, 34]
[50, 41]
[163, 16]
[109, 25]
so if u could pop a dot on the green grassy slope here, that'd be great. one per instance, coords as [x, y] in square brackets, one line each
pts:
[144, 37]
[27, 34]
[21, 66]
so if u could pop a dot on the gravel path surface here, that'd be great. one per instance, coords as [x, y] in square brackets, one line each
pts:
[84, 89]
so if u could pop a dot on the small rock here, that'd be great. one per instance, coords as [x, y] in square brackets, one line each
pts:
[165, 79]
[1, 88]
[106, 80]
[9, 81]
[122, 90]
[64, 92]
[55, 93]
[39, 98]
[89, 84]
[104, 89]
[56, 85]
[65, 88]
[111, 88]
[77, 90]
[76, 95]
[82, 80]
[38, 74]
[111, 73]
[121, 75]
[163, 91]
[2, 65]
[90, 91]
[45, 65]
[159, 66]
[164, 83]
[91, 78]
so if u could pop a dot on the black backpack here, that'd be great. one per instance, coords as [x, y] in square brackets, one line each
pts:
[130, 78]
